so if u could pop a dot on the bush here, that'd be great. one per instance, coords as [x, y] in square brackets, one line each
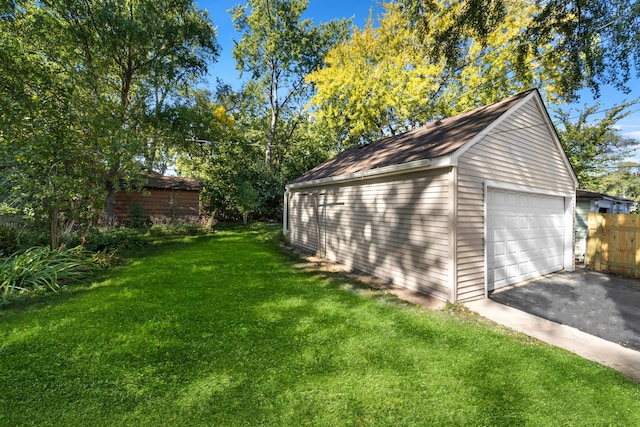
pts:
[112, 239]
[39, 268]
[9, 237]
[13, 239]
[189, 226]
[136, 215]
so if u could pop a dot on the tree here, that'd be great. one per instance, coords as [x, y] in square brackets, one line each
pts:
[128, 47]
[595, 40]
[390, 77]
[594, 145]
[217, 153]
[278, 48]
[45, 166]
[117, 63]
[371, 84]
[246, 200]
[314, 144]
[622, 180]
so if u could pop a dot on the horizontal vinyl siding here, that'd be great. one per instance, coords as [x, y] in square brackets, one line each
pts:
[302, 225]
[520, 151]
[395, 228]
[581, 229]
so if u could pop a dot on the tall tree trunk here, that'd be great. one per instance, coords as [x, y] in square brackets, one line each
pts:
[54, 227]
[110, 204]
[268, 152]
[275, 111]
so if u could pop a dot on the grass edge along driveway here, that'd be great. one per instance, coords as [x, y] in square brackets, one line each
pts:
[225, 330]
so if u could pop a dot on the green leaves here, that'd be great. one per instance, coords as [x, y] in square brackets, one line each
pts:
[89, 87]
[40, 268]
[592, 145]
[279, 48]
[593, 42]
[397, 74]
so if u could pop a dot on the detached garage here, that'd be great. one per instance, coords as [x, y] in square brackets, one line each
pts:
[455, 209]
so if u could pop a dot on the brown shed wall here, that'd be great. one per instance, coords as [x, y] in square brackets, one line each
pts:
[170, 203]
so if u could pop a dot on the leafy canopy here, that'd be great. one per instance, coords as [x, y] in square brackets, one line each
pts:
[278, 49]
[88, 85]
[595, 41]
[393, 76]
[593, 145]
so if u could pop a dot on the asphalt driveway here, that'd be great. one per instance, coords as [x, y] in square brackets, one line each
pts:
[599, 304]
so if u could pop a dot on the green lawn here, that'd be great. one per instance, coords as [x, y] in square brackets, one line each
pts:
[224, 330]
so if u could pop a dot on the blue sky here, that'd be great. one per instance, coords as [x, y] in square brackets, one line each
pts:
[325, 10]
[318, 11]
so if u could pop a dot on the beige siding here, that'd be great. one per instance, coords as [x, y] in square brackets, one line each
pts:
[396, 228]
[520, 151]
[303, 228]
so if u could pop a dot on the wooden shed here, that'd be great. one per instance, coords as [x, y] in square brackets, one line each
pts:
[169, 196]
[454, 209]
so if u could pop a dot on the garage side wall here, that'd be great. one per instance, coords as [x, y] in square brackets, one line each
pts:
[396, 228]
[302, 227]
[521, 152]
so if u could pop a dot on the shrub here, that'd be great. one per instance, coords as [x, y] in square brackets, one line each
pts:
[39, 268]
[14, 238]
[112, 239]
[9, 237]
[136, 215]
[188, 226]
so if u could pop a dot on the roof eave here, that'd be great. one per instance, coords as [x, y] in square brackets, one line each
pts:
[617, 199]
[415, 166]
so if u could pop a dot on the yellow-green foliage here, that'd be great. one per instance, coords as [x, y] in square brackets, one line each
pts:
[386, 79]
[375, 79]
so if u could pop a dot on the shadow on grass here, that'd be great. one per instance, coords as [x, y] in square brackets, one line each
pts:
[225, 330]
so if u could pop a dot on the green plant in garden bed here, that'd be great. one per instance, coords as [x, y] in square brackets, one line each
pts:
[225, 330]
[110, 239]
[189, 226]
[39, 268]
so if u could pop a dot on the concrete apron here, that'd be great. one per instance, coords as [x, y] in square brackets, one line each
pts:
[588, 346]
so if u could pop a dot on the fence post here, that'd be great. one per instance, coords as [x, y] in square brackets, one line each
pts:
[594, 241]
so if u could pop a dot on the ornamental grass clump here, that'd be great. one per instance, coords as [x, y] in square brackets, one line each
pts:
[38, 269]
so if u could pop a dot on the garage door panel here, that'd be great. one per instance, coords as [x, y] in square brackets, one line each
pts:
[525, 236]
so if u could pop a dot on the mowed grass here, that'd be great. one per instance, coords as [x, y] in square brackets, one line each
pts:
[224, 330]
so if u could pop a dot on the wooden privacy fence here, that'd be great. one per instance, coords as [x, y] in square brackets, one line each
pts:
[613, 244]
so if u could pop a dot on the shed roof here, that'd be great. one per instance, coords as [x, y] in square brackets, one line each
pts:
[590, 195]
[433, 140]
[172, 182]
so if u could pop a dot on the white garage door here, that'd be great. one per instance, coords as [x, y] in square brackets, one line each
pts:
[525, 236]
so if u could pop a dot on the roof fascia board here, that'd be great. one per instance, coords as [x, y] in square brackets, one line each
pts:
[415, 166]
[482, 134]
[616, 199]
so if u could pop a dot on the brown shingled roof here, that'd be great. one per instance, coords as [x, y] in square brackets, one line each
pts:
[172, 182]
[427, 142]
